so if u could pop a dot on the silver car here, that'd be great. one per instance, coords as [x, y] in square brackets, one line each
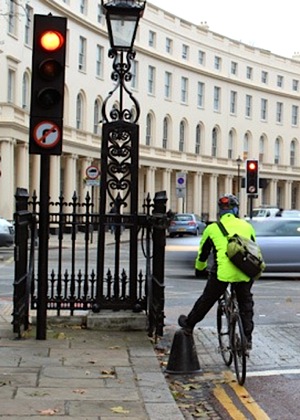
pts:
[186, 224]
[279, 240]
[7, 233]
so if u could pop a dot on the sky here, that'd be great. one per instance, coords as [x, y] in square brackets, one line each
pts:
[273, 25]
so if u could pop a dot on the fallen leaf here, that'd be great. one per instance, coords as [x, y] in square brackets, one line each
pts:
[114, 348]
[48, 412]
[108, 372]
[79, 391]
[119, 410]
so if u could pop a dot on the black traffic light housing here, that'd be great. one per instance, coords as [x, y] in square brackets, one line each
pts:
[252, 181]
[47, 86]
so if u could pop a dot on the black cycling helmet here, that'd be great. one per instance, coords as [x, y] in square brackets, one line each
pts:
[228, 202]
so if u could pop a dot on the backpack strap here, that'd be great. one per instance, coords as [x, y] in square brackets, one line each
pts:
[222, 228]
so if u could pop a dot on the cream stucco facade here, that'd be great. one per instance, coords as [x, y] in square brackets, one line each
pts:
[205, 101]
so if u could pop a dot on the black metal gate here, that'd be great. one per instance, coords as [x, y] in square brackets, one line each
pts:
[72, 280]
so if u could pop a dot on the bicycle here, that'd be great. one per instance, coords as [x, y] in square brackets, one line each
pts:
[232, 340]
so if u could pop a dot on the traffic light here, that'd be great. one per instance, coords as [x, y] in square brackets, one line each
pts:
[47, 85]
[252, 176]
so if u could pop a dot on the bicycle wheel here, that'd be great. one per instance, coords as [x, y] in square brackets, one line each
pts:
[223, 327]
[238, 343]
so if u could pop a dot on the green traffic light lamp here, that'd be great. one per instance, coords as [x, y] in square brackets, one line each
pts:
[122, 17]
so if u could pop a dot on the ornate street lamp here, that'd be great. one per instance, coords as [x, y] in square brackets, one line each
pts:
[120, 158]
[239, 161]
[122, 17]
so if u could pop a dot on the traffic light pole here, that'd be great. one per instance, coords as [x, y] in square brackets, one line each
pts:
[41, 321]
[251, 206]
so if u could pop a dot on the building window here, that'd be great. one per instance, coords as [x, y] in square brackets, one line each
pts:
[134, 74]
[264, 76]
[230, 144]
[234, 68]
[184, 90]
[11, 86]
[148, 129]
[198, 140]
[152, 39]
[295, 85]
[217, 63]
[200, 95]
[217, 93]
[261, 148]
[169, 45]
[214, 142]
[277, 151]
[165, 133]
[151, 79]
[12, 18]
[185, 52]
[168, 83]
[79, 112]
[248, 106]
[181, 136]
[99, 61]
[292, 153]
[246, 145]
[279, 108]
[263, 112]
[249, 73]
[25, 91]
[201, 57]
[28, 24]
[99, 13]
[97, 116]
[233, 100]
[83, 7]
[280, 81]
[294, 115]
[82, 54]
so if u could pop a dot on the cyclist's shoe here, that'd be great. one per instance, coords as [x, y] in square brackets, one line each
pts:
[248, 347]
[182, 322]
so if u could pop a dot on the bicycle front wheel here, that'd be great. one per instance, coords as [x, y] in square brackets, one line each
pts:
[223, 327]
[238, 343]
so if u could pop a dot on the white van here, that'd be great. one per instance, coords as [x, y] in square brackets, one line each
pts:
[265, 212]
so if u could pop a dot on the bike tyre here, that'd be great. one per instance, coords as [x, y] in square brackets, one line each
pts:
[238, 344]
[223, 328]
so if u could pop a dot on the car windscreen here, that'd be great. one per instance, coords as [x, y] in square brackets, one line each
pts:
[183, 217]
[276, 227]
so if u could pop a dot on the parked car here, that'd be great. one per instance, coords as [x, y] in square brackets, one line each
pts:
[290, 213]
[279, 239]
[7, 233]
[186, 224]
[264, 212]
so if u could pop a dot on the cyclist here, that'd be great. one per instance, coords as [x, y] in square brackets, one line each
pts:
[221, 271]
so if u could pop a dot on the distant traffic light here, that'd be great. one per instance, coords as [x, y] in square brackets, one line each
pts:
[47, 86]
[252, 176]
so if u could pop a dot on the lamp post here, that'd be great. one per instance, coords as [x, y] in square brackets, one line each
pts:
[239, 161]
[119, 155]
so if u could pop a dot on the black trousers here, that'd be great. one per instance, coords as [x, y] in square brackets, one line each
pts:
[213, 291]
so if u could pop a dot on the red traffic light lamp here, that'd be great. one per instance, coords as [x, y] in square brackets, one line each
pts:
[252, 176]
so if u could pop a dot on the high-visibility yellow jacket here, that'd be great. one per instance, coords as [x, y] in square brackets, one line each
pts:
[213, 241]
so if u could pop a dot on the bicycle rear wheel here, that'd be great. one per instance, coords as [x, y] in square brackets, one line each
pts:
[223, 327]
[238, 343]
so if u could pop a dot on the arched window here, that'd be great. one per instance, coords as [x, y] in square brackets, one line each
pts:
[214, 142]
[261, 148]
[230, 144]
[198, 139]
[277, 151]
[25, 91]
[97, 116]
[181, 136]
[292, 153]
[79, 112]
[148, 129]
[246, 145]
[165, 133]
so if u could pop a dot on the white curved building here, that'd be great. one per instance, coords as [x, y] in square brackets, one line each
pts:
[205, 99]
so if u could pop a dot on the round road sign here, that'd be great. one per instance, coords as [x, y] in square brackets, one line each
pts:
[46, 134]
[92, 172]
